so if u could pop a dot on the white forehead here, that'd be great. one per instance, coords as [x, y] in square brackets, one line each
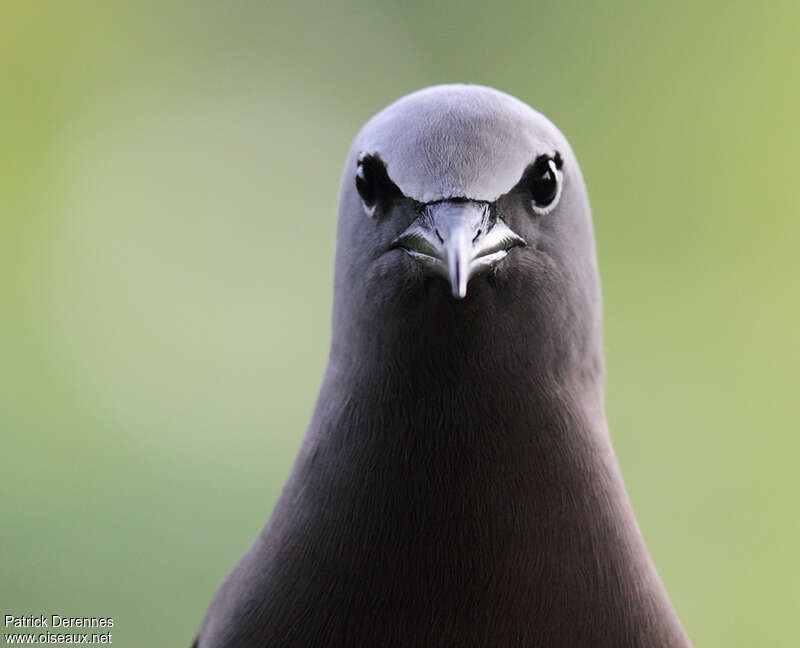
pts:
[457, 141]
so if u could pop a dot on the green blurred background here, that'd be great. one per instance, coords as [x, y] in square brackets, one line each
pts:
[168, 183]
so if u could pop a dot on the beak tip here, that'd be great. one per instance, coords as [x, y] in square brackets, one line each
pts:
[458, 286]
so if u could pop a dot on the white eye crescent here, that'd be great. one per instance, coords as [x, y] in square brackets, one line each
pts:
[545, 183]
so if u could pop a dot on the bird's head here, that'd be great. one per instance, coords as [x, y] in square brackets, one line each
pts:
[463, 199]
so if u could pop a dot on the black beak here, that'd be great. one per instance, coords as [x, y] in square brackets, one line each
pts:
[456, 240]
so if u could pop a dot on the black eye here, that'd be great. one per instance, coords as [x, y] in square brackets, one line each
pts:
[544, 180]
[366, 187]
[374, 187]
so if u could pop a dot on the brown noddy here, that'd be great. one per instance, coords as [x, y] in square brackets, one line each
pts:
[456, 486]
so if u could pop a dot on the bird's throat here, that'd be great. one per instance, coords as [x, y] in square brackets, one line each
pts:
[464, 504]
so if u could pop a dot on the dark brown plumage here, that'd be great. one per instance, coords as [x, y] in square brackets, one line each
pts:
[457, 485]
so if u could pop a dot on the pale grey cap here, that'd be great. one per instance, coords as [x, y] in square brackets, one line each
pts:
[458, 140]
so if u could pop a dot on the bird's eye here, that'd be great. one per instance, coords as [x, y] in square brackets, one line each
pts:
[545, 183]
[374, 187]
[366, 188]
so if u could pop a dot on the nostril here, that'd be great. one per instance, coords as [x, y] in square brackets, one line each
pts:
[477, 235]
[441, 239]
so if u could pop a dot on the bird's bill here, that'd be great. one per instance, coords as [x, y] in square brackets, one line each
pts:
[456, 240]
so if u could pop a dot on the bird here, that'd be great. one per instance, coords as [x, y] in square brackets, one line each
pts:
[456, 485]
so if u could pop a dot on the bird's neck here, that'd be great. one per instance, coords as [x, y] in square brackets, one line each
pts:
[475, 444]
[452, 409]
[478, 484]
